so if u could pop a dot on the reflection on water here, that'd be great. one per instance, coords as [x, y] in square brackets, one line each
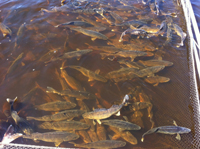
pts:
[70, 51]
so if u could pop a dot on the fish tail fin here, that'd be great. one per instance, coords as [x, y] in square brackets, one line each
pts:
[11, 101]
[50, 90]
[126, 98]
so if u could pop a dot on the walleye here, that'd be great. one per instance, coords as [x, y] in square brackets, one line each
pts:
[78, 94]
[57, 137]
[149, 71]
[22, 123]
[75, 23]
[122, 125]
[64, 125]
[56, 106]
[117, 18]
[154, 62]
[90, 74]
[64, 115]
[155, 80]
[131, 64]
[102, 144]
[101, 132]
[180, 33]
[5, 30]
[103, 113]
[168, 130]
[90, 33]
[20, 34]
[108, 49]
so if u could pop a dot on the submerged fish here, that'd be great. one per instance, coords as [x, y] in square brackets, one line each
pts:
[168, 130]
[56, 137]
[9, 136]
[56, 106]
[155, 80]
[5, 30]
[90, 33]
[78, 94]
[149, 71]
[103, 113]
[20, 34]
[90, 74]
[64, 115]
[22, 123]
[154, 62]
[75, 23]
[122, 125]
[102, 144]
[180, 33]
[101, 132]
[64, 125]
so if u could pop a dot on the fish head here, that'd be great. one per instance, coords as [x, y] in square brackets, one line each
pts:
[184, 130]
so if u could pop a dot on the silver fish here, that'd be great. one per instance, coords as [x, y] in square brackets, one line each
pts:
[103, 113]
[180, 33]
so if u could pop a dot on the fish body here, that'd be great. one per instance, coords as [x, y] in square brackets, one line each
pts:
[90, 74]
[151, 63]
[122, 125]
[131, 54]
[73, 83]
[93, 135]
[102, 144]
[56, 106]
[149, 71]
[56, 137]
[167, 130]
[103, 113]
[64, 125]
[20, 33]
[108, 49]
[89, 11]
[90, 33]
[22, 123]
[75, 23]
[64, 115]
[5, 30]
[117, 18]
[180, 33]
[155, 80]
[131, 64]
[84, 135]
[101, 132]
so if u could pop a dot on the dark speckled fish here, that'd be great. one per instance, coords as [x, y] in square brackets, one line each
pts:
[168, 130]
[154, 62]
[155, 80]
[64, 125]
[55, 137]
[122, 125]
[64, 115]
[56, 106]
[5, 30]
[102, 144]
[149, 71]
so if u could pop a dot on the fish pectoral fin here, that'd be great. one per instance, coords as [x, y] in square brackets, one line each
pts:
[97, 71]
[174, 122]
[99, 122]
[57, 144]
[156, 84]
[118, 113]
[178, 137]
[93, 39]
[115, 137]
[94, 122]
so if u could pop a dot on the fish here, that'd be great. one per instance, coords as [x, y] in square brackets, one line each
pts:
[14, 64]
[91, 33]
[22, 123]
[101, 132]
[93, 135]
[122, 72]
[149, 71]
[64, 125]
[103, 113]
[108, 49]
[64, 115]
[154, 62]
[89, 11]
[85, 136]
[72, 82]
[169, 36]
[90, 74]
[20, 34]
[155, 80]
[75, 23]
[117, 18]
[5, 30]
[131, 64]
[73, 54]
[180, 33]
[126, 135]
[56, 137]
[122, 125]
[56, 106]
[168, 130]
[101, 144]
[9, 136]
[135, 23]
[78, 94]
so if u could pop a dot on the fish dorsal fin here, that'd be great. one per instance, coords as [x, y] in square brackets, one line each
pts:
[97, 71]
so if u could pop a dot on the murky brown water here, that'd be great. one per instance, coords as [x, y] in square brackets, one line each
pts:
[31, 76]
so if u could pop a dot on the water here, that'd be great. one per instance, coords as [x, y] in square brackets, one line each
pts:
[31, 76]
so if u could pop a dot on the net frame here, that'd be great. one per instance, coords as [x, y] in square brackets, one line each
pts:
[194, 74]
